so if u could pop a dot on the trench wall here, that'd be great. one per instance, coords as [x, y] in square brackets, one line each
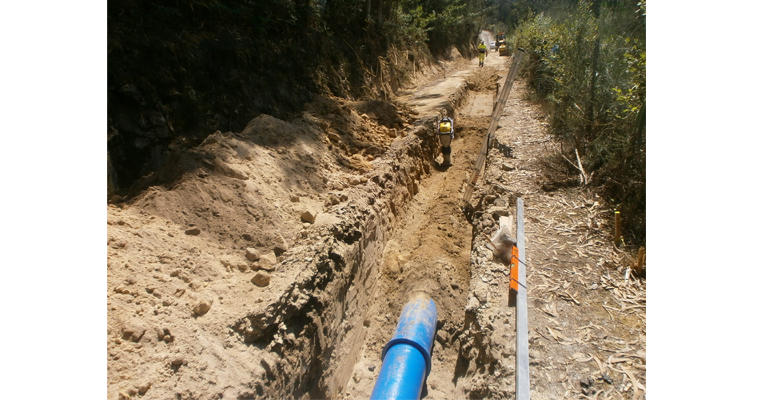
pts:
[308, 339]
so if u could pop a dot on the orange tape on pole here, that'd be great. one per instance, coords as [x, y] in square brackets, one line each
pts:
[515, 268]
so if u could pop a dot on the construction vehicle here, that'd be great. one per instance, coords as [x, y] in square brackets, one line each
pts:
[502, 46]
[499, 39]
[503, 51]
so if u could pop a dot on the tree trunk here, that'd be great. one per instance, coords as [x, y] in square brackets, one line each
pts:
[592, 101]
[641, 122]
[594, 75]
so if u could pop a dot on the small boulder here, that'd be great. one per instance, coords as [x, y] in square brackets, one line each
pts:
[267, 262]
[441, 336]
[193, 231]
[308, 216]
[252, 254]
[261, 278]
[269, 258]
[263, 264]
[280, 246]
[202, 307]
[472, 304]
[143, 388]
[133, 330]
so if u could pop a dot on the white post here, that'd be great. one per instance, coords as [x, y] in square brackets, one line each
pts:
[522, 327]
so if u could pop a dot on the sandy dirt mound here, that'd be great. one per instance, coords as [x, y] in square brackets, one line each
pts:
[187, 255]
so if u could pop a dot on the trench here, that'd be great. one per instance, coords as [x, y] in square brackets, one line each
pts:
[322, 338]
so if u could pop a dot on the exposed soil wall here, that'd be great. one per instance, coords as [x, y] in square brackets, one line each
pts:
[333, 280]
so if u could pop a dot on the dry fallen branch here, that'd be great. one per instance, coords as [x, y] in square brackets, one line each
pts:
[582, 171]
[546, 312]
[635, 383]
[559, 337]
[583, 176]
[599, 363]
[568, 296]
[608, 312]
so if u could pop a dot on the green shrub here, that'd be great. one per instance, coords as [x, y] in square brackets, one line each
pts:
[588, 67]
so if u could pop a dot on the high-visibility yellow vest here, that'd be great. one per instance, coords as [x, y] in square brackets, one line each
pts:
[445, 127]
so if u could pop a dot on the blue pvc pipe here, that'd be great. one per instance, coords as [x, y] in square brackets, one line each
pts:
[406, 357]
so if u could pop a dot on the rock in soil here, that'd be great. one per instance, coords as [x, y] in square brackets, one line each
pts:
[252, 254]
[133, 330]
[262, 278]
[144, 388]
[308, 216]
[202, 307]
[587, 382]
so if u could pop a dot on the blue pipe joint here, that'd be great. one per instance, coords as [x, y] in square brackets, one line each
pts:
[406, 359]
[416, 327]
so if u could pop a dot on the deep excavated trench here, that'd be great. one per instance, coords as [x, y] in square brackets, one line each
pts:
[323, 337]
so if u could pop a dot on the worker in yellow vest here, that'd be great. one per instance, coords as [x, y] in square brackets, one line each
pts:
[482, 53]
[446, 132]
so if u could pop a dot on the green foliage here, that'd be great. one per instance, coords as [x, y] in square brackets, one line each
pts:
[417, 24]
[456, 24]
[588, 66]
[632, 98]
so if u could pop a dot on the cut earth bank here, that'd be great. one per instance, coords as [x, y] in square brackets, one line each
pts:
[274, 262]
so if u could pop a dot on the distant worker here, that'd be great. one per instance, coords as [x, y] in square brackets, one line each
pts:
[446, 132]
[482, 53]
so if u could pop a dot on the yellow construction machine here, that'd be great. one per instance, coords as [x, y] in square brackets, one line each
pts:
[502, 46]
